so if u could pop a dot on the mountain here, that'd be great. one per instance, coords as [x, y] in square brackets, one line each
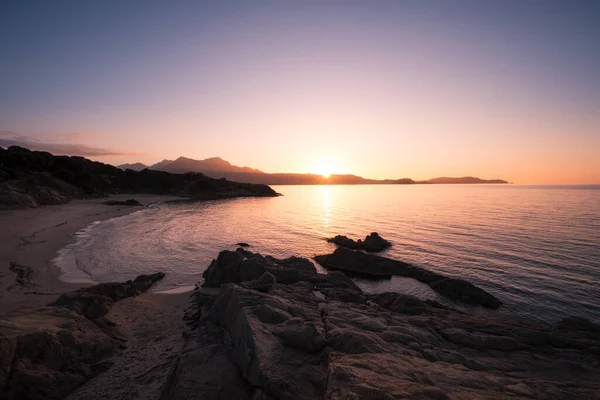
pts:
[31, 178]
[136, 166]
[209, 166]
[464, 179]
[216, 167]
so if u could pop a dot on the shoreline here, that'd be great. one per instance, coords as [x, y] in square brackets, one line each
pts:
[31, 238]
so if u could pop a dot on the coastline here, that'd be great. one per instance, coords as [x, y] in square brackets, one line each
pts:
[31, 238]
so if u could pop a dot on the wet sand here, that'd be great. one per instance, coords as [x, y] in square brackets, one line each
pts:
[30, 239]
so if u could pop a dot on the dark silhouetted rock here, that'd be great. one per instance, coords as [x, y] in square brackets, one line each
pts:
[243, 244]
[95, 301]
[373, 243]
[244, 266]
[128, 202]
[370, 266]
[32, 178]
[458, 289]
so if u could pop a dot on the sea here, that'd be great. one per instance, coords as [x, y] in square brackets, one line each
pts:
[536, 248]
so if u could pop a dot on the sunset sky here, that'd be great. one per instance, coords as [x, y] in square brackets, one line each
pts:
[382, 89]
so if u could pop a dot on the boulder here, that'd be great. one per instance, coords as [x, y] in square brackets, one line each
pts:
[373, 243]
[244, 266]
[52, 351]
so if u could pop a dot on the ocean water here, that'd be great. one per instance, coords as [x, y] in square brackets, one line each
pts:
[537, 248]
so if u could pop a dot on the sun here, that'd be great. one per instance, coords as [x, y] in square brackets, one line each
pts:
[324, 168]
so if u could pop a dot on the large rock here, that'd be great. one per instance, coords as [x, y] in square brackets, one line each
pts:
[325, 339]
[371, 266]
[244, 266]
[52, 351]
[373, 243]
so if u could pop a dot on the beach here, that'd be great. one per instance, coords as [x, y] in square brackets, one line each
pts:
[31, 238]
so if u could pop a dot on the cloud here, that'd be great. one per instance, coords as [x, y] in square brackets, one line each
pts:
[9, 138]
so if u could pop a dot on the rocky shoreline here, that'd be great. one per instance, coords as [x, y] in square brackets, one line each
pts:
[265, 328]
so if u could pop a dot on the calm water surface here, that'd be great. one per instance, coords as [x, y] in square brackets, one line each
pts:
[537, 248]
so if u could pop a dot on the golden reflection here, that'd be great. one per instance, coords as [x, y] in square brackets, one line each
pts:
[326, 214]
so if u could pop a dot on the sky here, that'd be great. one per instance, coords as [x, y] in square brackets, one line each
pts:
[382, 89]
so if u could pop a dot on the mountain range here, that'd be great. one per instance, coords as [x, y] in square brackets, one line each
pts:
[216, 167]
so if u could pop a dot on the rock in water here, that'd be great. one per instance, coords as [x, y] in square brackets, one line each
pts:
[373, 243]
[372, 266]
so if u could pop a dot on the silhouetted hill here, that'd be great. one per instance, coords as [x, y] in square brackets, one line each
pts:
[214, 165]
[217, 168]
[464, 179]
[136, 167]
[30, 178]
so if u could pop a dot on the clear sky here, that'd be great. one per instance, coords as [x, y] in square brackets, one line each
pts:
[382, 89]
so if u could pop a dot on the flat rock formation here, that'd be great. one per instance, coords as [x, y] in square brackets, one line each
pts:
[48, 352]
[319, 337]
[373, 243]
[34, 178]
[370, 266]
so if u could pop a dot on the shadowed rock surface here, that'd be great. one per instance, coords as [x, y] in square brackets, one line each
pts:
[373, 243]
[47, 352]
[34, 178]
[322, 338]
[357, 263]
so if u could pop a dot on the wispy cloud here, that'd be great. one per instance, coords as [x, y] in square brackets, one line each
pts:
[9, 138]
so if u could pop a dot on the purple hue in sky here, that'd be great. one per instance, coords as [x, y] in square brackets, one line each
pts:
[507, 89]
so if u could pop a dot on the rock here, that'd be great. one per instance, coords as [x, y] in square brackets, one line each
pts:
[95, 301]
[573, 324]
[370, 266]
[373, 243]
[242, 244]
[324, 338]
[54, 350]
[244, 266]
[458, 289]
[128, 202]
[301, 335]
[32, 178]
[337, 286]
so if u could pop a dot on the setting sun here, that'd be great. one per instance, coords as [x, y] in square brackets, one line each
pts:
[325, 168]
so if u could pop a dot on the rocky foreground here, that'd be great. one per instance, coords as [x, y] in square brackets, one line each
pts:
[277, 329]
[265, 328]
[48, 352]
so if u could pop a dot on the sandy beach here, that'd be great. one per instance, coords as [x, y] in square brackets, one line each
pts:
[30, 239]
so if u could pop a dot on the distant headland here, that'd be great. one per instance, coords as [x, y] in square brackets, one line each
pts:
[31, 178]
[216, 167]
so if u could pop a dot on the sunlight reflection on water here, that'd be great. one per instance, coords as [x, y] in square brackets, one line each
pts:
[536, 248]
